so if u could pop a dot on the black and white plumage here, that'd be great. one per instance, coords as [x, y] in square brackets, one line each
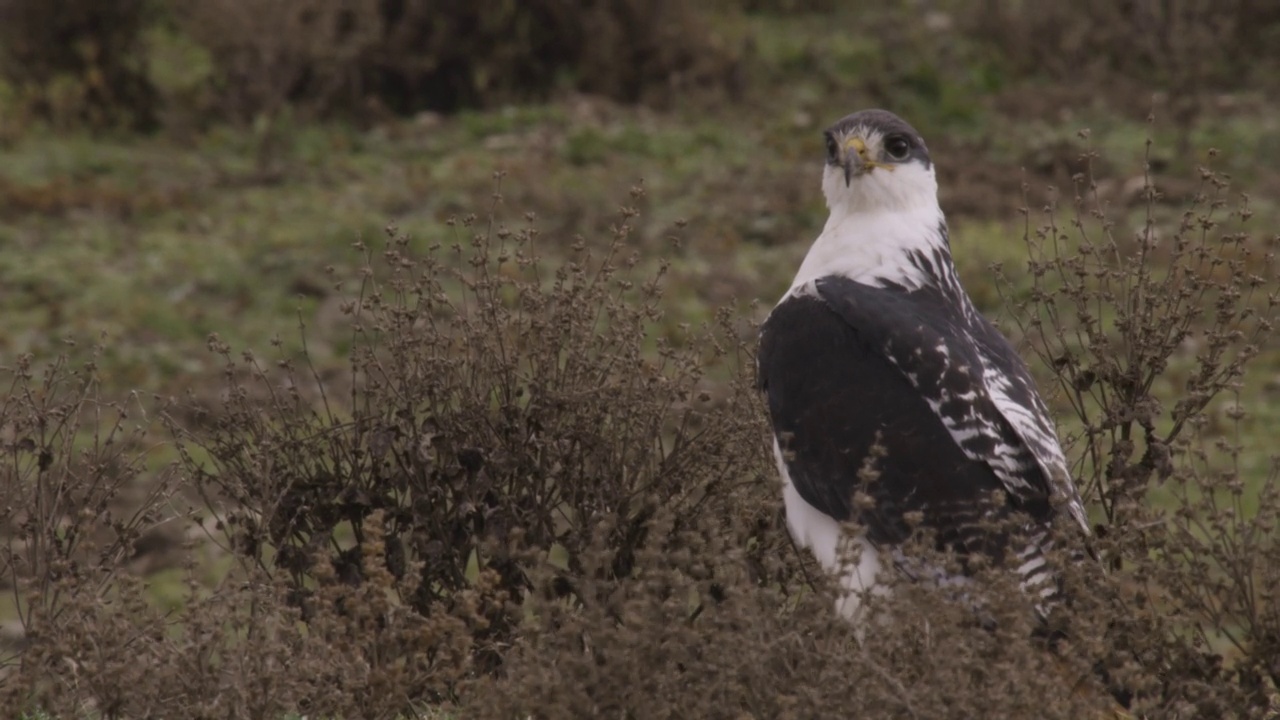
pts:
[876, 343]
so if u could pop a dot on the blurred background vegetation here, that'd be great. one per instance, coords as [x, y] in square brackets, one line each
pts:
[170, 169]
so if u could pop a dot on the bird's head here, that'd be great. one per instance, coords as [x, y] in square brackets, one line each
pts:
[876, 161]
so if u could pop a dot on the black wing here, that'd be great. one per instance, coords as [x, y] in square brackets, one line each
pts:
[1008, 385]
[848, 363]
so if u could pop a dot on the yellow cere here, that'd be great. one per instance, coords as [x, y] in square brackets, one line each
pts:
[858, 144]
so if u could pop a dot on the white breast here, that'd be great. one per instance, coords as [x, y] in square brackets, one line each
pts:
[875, 225]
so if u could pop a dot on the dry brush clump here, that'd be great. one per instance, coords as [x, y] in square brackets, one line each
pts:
[1148, 325]
[501, 407]
[693, 633]
[74, 506]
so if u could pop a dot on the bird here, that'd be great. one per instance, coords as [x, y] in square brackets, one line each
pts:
[894, 403]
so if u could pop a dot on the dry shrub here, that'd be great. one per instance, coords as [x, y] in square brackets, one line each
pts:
[1113, 313]
[341, 56]
[244, 651]
[691, 633]
[79, 61]
[499, 407]
[87, 638]
[1123, 317]
[70, 513]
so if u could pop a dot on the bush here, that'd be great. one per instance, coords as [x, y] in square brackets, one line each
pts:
[691, 634]
[347, 56]
[497, 409]
[79, 61]
[74, 503]
[1187, 302]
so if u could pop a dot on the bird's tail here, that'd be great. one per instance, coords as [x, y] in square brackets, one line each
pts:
[1037, 576]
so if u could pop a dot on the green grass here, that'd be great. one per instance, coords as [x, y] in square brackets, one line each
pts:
[158, 244]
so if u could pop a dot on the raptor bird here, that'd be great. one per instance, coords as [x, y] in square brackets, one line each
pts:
[876, 357]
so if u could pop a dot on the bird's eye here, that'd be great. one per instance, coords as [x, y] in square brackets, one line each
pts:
[833, 150]
[897, 147]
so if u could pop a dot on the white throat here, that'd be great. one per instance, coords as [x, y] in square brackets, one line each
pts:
[877, 222]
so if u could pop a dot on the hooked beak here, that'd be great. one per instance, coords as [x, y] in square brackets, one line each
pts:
[857, 160]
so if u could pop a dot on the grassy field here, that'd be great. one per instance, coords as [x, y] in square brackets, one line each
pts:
[157, 243]
[148, 244]
[152, 244]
